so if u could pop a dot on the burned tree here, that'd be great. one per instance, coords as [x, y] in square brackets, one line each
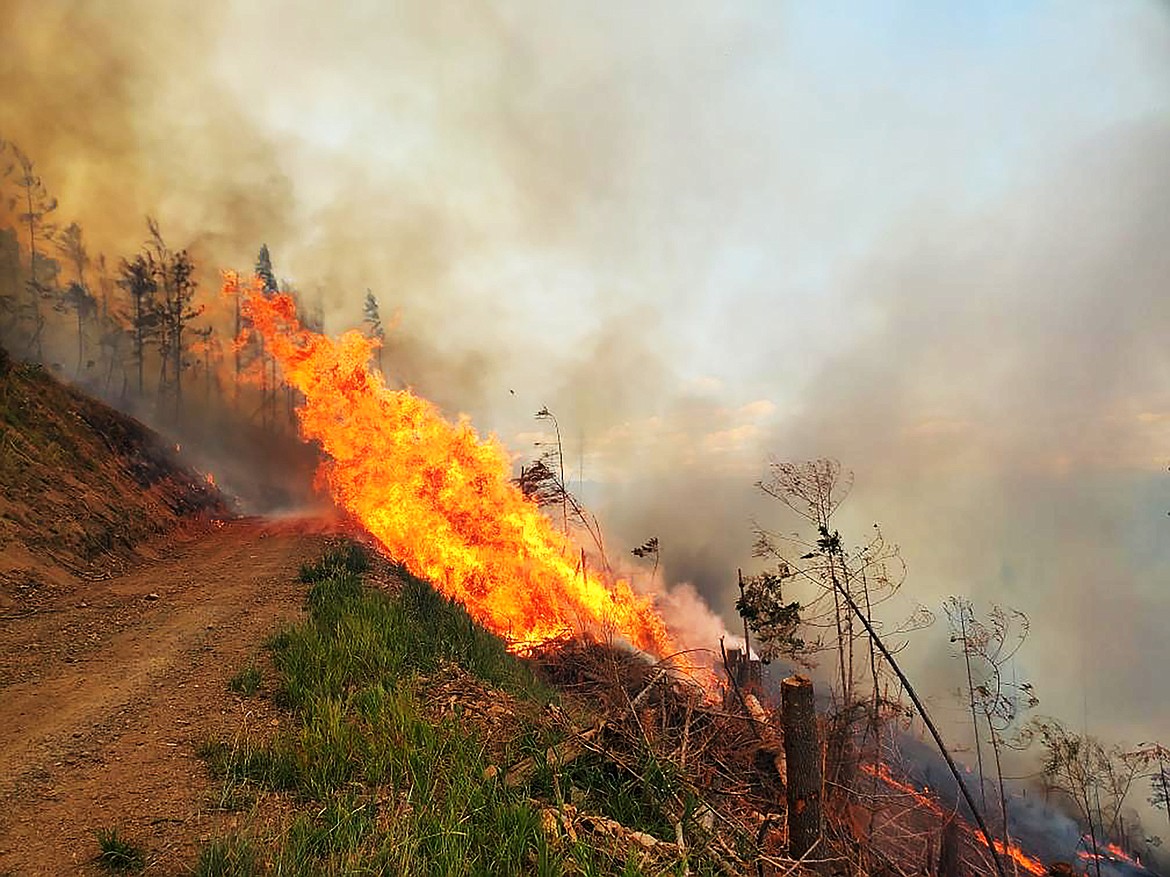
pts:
[845, 586]
[264, 270]
[815, 581]
[372, 320]
[137, 278]
[988, 648]
[1095, 778]
[208, 352]
[36, 207]
[77, 296]
[268, 377]
[78, 299]
[543, 482]
[174, 278]
[802, 752]
[1160, 778]
[554, 456]
[10, 297]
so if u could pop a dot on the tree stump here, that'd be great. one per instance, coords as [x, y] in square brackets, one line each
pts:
[948, 851]
[803, 754]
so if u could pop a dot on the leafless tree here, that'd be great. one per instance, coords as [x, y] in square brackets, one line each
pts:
[1097, 779]
[1160, 778]
[544, 483]
[987, 647]
[36, 207]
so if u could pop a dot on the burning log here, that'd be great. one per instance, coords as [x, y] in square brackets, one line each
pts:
[803, 755]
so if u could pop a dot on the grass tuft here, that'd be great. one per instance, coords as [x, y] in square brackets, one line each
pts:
[349, 558]
[227, 858]
[118, 855]
[247, 682]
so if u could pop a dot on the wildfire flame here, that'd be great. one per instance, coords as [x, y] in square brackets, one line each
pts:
[437, 496]
[1026, 863]
[1110, 852]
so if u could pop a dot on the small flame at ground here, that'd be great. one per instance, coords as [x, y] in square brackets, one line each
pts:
[1110, 852]
[930, 802]
[438, 497]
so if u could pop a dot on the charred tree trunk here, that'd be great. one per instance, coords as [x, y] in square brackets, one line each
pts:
[803, 754]
[1162, 779]
[948, 851]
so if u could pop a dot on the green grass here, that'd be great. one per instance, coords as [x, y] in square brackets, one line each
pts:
[247, 682]
[383, 787]
[227, 858]
[118, 855]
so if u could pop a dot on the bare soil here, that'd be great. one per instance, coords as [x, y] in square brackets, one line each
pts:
[107, 688]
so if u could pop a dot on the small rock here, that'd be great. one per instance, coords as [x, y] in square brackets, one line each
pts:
[152, 596]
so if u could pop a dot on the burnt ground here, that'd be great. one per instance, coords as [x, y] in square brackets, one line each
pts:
[108, 688]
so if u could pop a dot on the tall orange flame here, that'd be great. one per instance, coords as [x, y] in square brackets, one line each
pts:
[437, 496]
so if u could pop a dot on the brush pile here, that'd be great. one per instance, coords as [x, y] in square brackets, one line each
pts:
[713, 798]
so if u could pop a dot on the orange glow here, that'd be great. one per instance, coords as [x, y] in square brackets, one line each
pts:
[928, 801]
[209, 478]
[882, 772]
[1026, 862]
[437, 496]
[1110, 852]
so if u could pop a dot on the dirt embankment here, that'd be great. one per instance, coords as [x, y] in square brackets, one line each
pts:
[81, 487]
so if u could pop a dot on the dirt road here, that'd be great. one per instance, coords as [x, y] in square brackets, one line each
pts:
[107, 689]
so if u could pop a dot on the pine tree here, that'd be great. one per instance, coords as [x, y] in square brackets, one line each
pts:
[174, 277]
[137, 278]
[268, 380]
[264, 270]
[373, 322]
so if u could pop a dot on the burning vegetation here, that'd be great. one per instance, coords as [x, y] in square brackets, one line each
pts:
[438, 497]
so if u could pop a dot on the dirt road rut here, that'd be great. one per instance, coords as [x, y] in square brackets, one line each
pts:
[107, 689]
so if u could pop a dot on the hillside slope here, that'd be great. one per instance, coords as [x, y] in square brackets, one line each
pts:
[81, 485]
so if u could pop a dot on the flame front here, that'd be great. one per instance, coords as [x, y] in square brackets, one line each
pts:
[437, 496]
[926, 800]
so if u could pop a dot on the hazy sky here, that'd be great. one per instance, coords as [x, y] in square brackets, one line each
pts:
[929, 239]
